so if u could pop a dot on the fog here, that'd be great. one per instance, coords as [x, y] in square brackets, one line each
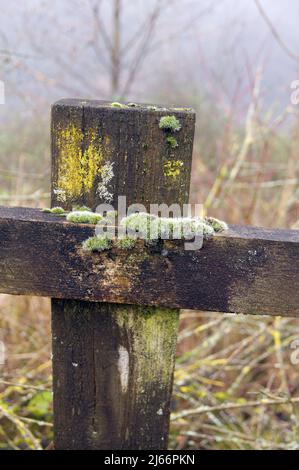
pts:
[51, 49]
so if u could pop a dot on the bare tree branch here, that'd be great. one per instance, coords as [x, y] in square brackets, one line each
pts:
[275, 33]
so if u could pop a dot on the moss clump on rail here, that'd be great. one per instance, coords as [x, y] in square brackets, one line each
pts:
[81, 208]
[103, 243]
[55, 210]
[151, 227]
[84, 217]
[97, 244]
[125, 243]
[110, 218]
[140, 223]
[218, 225]
[116, 104]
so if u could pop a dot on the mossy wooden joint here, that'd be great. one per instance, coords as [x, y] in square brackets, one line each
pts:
[113, 364]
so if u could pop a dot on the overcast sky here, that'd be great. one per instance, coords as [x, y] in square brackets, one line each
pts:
[201, 49]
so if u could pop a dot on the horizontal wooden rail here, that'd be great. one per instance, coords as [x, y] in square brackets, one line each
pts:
[244, 270]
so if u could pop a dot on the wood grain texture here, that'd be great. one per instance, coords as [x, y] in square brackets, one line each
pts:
[130, 139]
[244, 270]
[115, 395]
[88, 138]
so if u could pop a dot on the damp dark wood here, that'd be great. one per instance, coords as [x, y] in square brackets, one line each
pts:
[112, 398]
[244, 270]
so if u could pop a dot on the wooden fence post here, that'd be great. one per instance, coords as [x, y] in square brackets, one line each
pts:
[113, 364]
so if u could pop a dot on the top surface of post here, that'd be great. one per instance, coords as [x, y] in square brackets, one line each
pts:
[125, 107]
[101, 150]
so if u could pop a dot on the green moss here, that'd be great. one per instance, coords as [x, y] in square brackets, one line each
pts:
[182, 109]
[81, 208]
[139, 223]
[218, 225]
[83, 217]
[182, 228]
[97, 244]
[152, 228]
[153, 336]
[57, 210]
[126, 243]
[54, 210]
[169, 123]
[118, 105]
[172, 142]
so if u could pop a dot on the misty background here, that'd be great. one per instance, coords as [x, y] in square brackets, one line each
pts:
[165, 49]
[234, 62]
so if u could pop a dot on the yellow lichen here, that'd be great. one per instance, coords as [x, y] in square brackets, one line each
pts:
[78, 168]
[172, 168]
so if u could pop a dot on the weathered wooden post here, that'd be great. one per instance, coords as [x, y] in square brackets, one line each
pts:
[113, 364]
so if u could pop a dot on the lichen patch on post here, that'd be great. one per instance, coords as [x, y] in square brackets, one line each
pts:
[78, 166]
[123, 367]
[153, 332]
[172, 168]
[60, 195]
[103, 190]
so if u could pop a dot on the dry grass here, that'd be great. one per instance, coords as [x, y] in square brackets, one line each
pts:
[235, 386]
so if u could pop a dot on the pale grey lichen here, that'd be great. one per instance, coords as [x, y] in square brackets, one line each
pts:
[60, 194]
[107, 175]
[84, 217]
[95, 244]
[169, 123]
